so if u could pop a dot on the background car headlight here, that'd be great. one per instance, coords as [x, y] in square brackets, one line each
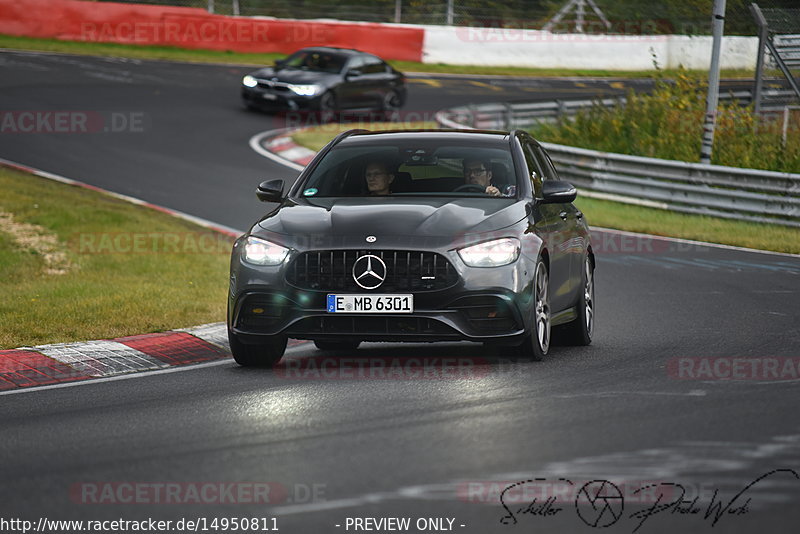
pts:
[249, 81]
[305, 90]
[492, 253]
[260, 252]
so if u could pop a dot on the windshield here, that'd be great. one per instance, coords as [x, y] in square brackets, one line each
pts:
[315, 60]
[411, 169]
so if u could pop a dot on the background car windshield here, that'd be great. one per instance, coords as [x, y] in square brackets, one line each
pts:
[418, 170]
[315, 60]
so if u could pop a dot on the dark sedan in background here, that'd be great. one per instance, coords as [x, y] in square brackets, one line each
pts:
[433, 254]
[326, 79]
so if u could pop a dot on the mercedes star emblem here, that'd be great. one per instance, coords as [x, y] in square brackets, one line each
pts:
[369, 271]
[371, 239]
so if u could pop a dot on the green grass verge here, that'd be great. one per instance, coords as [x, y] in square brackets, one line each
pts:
[319, 136]
[214, 56]
[174, 276]
[608, 214]
[631, 218]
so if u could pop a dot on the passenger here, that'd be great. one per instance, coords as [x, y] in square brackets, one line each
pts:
[378, 178]
[479, 172]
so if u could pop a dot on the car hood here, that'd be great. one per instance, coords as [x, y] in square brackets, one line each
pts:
[297, 76]
[346, 222]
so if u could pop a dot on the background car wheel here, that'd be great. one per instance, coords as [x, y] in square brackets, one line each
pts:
[267, 353]
[327, 106]
[391, 106]
[537, 342]
[337, 345]
[580, 331]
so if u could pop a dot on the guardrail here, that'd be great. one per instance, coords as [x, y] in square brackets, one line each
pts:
[715, 190]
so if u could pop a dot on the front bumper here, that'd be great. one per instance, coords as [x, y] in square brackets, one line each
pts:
[278, 100]
[491, 305]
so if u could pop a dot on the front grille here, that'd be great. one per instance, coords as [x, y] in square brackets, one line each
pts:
[277, 87]
[332, 270]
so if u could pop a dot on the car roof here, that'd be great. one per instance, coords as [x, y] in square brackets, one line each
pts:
[489, 137]
[342, 51]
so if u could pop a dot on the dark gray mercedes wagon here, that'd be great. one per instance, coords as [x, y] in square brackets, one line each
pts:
[432, 235]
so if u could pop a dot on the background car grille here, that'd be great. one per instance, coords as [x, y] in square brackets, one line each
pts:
[405, 270]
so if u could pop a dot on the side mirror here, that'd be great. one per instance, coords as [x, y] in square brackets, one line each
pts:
[279, 64]
[353, 73]
[558, 192]
[270, 191]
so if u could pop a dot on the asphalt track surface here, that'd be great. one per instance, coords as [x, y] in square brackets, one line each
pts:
[341, 446]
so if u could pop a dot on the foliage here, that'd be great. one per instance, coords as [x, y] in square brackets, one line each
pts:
[668, 124]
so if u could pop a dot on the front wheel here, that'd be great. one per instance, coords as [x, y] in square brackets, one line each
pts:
[537, 342]
[580, 331]
[327, 107]
[391, 106]
[266, 353]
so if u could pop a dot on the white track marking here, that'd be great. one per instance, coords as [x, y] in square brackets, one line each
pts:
[691, 242]
[205, 223]
[145, 374]
[255, 144]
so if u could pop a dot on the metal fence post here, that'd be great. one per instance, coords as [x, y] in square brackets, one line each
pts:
[210, 6]
[762, 43]
[713, 83]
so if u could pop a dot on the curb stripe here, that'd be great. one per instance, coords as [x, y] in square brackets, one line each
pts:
[174, 348]
[100, 358]
[25, 368]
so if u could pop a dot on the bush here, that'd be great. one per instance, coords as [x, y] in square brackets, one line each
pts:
[668, 124]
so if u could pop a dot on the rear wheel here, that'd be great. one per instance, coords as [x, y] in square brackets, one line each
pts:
[267, 352]
[580, 331]
[537, 342]
[337, 345]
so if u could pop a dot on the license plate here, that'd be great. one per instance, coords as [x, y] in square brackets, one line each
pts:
[268, 96]
[370, 303]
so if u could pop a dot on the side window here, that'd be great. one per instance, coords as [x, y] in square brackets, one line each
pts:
[547, 165]
[373, 65]
[534, 169]
[356, 63]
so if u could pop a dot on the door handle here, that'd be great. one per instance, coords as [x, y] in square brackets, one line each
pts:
[579, 215]
[563, 215]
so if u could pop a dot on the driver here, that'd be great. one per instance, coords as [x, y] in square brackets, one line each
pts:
[378, 178]
[479, 172]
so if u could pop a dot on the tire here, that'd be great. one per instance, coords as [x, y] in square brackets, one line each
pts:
[391, 106]
[337, 345]
[581, 330]
[537, 342]
[264, 354]
[327, 107]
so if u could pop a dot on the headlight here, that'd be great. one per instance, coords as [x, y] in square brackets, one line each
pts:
[249, 81]
[305, 90]
[492, 253]
[261, 252]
